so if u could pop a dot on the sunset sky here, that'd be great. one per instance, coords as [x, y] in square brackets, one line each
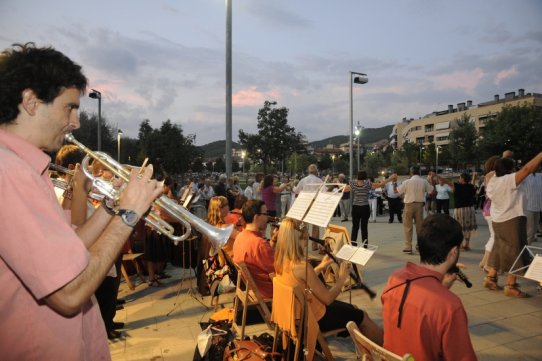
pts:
[162, 60]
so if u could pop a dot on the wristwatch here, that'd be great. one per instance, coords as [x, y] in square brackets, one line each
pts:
[129, 217]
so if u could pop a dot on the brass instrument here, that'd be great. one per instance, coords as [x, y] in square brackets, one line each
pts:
[217, 236]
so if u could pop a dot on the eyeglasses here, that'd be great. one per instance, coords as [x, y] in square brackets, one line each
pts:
[263, 214]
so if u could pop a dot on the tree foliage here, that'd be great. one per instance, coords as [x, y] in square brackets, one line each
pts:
[88, 133]
[517, 128]
[167, 148]
[463, 145]
[275, 140]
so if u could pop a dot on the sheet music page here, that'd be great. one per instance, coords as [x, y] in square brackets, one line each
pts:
[346, 252]
[534, 272]
[301, 203]
[323, 208]
[362, 256]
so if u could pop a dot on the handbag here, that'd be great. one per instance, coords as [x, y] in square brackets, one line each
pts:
[486, 209]
[248, 350]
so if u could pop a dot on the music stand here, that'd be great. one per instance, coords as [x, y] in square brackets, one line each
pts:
[190, 291]
[533, 270]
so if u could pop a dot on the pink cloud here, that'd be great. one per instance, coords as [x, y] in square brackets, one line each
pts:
[466, 80]
[253, 97]
[504, 74]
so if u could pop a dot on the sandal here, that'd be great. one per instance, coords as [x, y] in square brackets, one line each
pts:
[490, 282]
[514, 291]
[154, 283]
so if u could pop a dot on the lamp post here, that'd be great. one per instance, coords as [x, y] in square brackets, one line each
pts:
[421, 148]
[360, 79]
[357, 132]
[436, 161]
[119, 134]
[97, 95]
[243, 154]
[333, 164]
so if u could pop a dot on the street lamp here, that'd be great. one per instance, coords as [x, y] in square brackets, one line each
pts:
[333, 164]
[243, 154]
[357, 132]
[361, 79]
[421, 148]
[119, 134]
[436, 162]
[97, 95]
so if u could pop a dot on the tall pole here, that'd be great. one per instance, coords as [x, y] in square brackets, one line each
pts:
[359, 136]
[228, 89]
[99, 122]
[436, 162]
[119, 133]
[351, 129]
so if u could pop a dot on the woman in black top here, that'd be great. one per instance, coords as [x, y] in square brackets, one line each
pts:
[360, 205]
[464, 195]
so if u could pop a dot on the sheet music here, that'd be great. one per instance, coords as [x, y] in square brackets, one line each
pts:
[534, 272]
[323, 208]
[301, 204]
[357, 255]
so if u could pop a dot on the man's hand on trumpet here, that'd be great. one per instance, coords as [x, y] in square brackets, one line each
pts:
[140, 192]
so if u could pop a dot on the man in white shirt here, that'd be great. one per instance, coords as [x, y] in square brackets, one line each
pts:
[414, 190]
[310, 183]
[533, 190]
[395, 203]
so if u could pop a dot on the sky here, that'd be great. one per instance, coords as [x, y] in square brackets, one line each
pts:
[165, 59]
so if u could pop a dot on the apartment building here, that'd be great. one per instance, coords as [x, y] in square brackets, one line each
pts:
[437, 126]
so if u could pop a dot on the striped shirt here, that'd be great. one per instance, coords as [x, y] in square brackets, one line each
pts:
[360, 194]
[533, 190]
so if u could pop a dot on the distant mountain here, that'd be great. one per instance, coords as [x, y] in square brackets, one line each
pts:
[369, 135]
[216, 149]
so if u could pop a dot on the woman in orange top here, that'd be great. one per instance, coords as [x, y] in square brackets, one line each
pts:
[291, 268]
[218, 210]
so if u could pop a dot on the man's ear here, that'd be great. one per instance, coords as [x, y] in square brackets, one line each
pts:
[30, 101]
[453, 253]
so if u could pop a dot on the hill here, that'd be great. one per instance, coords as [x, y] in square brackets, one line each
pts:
[368, 136]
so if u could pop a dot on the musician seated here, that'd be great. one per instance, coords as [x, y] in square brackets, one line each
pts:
[216, 216]
[252, 248]
[235, 216]
[291, 269]
[421, 315]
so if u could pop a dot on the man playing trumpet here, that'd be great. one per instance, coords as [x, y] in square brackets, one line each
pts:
[47, 273]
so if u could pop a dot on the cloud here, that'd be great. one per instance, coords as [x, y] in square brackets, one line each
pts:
[274, 15]
[504, 74]
[467, 80]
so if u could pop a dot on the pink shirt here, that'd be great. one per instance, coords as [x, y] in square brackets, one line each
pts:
[434, 324]
[259, 256]
[39, 254]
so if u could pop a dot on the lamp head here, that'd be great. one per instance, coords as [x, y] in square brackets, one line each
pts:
[95, 94]
[361, 79]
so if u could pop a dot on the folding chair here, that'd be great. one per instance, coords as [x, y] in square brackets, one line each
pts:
[247, 294]
[370, 351]
[131, 257]
[290, 316]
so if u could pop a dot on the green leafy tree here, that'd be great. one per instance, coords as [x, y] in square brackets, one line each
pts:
[88, 133]
[463, 142]
[374, 161]
[298, 163]
[517, 128]
[167, 148]
[275, 140]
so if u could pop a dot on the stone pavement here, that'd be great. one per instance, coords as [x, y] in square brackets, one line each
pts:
[501, 328]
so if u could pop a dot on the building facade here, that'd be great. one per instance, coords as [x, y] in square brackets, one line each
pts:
[437, 126]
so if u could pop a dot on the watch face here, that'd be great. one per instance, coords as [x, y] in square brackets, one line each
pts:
[129, 217]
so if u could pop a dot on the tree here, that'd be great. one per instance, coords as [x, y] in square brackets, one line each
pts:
[275, 140]
[298, 163]
[463, 141]
[167, 148]
[517, 128]
[88, 133]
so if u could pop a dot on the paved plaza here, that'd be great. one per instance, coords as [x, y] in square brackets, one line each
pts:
[501, 328]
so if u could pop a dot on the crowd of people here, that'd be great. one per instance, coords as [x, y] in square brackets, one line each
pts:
[59, 253]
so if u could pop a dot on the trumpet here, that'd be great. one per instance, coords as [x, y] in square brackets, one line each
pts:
[217, 236]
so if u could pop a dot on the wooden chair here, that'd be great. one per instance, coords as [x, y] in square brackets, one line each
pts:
[293, 323]
[247, 294]
[131, 257]
[370, 351]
